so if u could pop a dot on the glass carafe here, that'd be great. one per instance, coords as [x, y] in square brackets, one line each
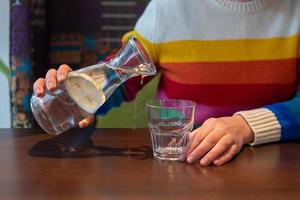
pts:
[86, 89]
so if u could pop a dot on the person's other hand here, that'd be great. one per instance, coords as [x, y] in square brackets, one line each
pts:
[53, 77]
[218, 140]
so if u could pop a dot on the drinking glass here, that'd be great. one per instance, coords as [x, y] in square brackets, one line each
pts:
[170, 121]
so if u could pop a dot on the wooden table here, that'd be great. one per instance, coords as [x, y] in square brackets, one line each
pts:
[265, 172]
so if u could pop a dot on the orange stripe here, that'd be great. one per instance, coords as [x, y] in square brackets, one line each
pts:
[252, 72]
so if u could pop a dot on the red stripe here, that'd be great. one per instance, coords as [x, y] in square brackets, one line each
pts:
[229, 94]
[239, 72]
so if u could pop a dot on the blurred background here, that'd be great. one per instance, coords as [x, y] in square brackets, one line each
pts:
[36, 35]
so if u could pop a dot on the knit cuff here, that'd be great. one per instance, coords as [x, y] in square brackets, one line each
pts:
[264, 125]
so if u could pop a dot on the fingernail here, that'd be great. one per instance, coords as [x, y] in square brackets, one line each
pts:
[83, 124]
[61, 77]
[217, 162]
[190, 159]
[204, 161]
[38, 91]
[50, 85]
[182, 158]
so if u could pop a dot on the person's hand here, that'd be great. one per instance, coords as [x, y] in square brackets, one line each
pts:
[53, 77]
[218, 140]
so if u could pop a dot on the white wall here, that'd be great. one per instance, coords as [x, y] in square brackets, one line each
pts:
[4, 56]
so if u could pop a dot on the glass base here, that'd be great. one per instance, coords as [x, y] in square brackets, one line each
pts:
[168, 153]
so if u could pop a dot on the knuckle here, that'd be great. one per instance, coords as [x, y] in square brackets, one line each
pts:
[198, 136]
[50, 73]
[220, 124]
[227, 141]
[39, 80]
[210, 120]
[212, 140]
[52, 70]
[224, 128]
[64, 67]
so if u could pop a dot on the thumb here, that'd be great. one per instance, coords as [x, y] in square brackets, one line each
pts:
[87, 121]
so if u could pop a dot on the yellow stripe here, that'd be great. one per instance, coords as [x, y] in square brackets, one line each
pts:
[222, 50]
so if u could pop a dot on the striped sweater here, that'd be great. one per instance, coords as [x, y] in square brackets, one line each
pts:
[229, 57]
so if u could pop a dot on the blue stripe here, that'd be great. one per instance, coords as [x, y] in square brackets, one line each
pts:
[288, 115]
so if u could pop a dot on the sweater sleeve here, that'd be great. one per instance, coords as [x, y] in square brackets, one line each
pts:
[276, 122]
[144, 31]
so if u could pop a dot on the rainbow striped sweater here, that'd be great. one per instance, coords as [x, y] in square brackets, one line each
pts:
[229, 57]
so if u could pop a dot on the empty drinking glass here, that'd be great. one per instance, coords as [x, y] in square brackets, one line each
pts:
[170, 121]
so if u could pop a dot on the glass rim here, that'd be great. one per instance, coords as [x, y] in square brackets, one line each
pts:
[150, 103]
[143, 52]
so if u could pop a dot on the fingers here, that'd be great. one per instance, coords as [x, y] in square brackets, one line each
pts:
[198, 135]
[84, 123]
[217, 141]
[227, 156]
[206, 145]
[219, 149]
[51, 79]
[187, 141]
[39, 87]
[62, 72]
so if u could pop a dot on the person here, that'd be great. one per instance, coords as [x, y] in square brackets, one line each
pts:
[237, 59]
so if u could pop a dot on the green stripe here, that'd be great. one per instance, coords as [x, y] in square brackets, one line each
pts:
[5, 70]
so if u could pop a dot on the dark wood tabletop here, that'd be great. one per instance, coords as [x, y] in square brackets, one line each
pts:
[116, 164]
